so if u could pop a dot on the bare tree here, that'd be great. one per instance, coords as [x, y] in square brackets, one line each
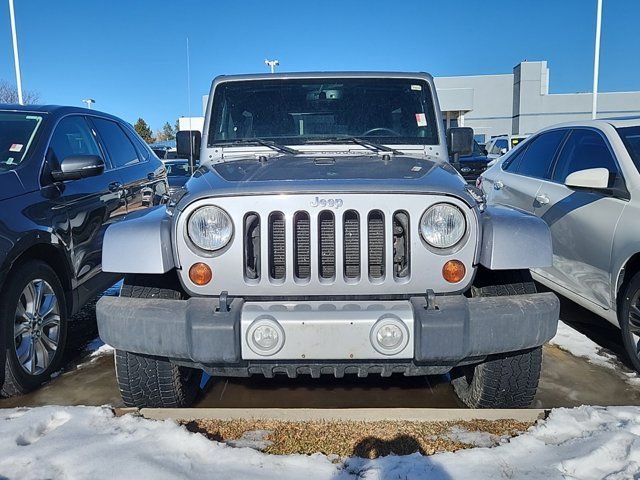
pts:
[9, 94]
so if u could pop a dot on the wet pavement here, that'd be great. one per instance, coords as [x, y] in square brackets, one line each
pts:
[566, 381]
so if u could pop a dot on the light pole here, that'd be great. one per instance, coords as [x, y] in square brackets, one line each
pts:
[272, 64]
[16, 59]
[89, 101]
[596, 61]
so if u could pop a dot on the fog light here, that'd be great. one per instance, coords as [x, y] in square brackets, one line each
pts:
[265, 336]
[389, 335]
[200, 273]
[453, 271]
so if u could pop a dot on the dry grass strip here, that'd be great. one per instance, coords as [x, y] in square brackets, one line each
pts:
[363, 439]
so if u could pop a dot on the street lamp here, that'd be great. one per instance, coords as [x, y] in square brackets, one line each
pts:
[16, 60]
[89, 101]
[272, 64]
[596, 61]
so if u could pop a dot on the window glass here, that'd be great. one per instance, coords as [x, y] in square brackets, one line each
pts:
[143, 148]
[120, 149]
[298, 111]
[17, 131]
[512, 163]
[584, 149]
[536, 160]
[631, 138]
[72, 136]
[498, 146]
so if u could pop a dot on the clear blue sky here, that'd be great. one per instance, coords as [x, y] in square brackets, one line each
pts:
[130, 55]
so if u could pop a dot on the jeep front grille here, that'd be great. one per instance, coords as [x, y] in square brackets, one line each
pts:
[334, 235]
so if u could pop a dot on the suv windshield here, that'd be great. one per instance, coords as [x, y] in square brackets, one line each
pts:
[631, 138]
[17, 131]
[297, 111]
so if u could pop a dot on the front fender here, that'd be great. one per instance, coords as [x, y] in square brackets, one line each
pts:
[512, 239]
[140, 243]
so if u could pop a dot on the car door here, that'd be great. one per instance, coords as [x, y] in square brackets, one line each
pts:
[582, 221]
[523, 171]
[126, 160]
[91, 204]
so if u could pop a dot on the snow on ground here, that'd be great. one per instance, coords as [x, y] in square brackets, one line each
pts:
[580, 345]
[89, 442]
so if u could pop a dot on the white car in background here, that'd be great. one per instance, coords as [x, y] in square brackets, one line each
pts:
[583, 180]
[498, 146]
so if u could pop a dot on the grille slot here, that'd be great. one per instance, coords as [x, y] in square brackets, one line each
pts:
[375, 235]
[277, 248]
[401, 244]
[302, 245]
[252, 246]
[351, 241]
[327, 244]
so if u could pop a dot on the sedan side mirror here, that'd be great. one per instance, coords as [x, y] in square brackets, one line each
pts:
[503, 151]
[460, 141]
[590, 178]
[75, 167]
[188, 144]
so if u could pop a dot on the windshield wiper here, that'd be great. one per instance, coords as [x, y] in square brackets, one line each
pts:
[373, 146]
[270, 144]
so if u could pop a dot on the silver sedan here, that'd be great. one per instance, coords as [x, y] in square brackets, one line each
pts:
[583, 180]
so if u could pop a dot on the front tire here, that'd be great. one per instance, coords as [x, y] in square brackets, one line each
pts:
[629, 319]
[147, 381]
[507, 380]
[33, 312]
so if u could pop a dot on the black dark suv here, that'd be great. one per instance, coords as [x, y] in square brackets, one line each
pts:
[66, 174]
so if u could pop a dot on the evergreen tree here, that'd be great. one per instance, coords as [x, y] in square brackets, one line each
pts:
[144, 131]
[168, 132]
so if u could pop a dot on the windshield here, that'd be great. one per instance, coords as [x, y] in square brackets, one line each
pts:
[385, 110]
[631, 138]
[177, 169]
[17, 131]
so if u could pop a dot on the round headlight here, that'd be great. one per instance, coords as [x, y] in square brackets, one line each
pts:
[442, 225]
[210, 228]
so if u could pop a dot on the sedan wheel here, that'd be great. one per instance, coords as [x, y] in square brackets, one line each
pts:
[37, 327]
[629, 318]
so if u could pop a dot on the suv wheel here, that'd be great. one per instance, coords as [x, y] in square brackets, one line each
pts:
[33, 311]
[507, 380]
[147, 381]
[629, 319]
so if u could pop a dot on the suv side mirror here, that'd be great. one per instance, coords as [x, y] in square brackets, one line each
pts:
[460, 141]
[503, 151]
[188, 144]
[75, 167]
[590, 178]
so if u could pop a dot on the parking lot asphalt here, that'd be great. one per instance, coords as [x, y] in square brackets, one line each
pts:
[566, 381]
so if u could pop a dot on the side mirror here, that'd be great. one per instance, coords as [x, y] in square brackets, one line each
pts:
[188, 144]
[590, 178]
[75, 167]
[485, 152]
[503, 151]
[460, 141]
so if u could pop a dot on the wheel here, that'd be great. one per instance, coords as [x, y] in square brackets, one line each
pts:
[33, 312]
[629, 319]
[507, 380]
[147, 381]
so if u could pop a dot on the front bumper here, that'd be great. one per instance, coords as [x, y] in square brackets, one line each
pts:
[450, 331]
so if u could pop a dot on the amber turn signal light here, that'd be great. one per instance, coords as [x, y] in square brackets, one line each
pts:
[200, 273]
[453, 271]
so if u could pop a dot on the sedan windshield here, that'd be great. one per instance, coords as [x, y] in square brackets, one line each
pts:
[631, 138]
[291, 112]
[17, 131]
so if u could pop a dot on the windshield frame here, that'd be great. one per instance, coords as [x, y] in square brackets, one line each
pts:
[4, 167]
[430, 102]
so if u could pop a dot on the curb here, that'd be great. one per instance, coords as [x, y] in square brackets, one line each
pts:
[353, 414]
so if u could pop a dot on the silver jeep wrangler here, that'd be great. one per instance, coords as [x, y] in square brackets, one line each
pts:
[326, 233]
